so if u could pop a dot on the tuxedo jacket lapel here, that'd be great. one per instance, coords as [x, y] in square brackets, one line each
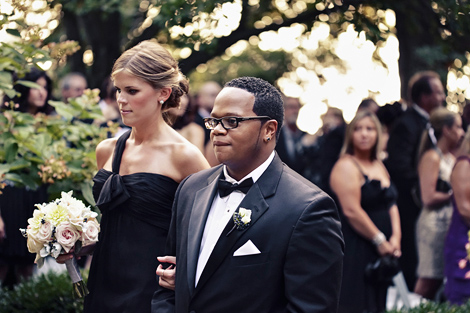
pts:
[254, 201]
[199, 212]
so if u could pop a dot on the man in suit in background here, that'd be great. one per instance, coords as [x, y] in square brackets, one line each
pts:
[277, 248]
[425, 93]
[289, 147]
[205, 98]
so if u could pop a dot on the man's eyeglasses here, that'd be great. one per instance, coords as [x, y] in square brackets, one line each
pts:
[230, 122]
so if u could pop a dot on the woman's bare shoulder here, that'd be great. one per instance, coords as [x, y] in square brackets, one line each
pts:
[188, 158]
[104, 151]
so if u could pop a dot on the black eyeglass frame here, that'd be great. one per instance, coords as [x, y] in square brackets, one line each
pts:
[237, 118]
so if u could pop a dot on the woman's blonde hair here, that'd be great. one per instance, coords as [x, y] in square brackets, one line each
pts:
[152, 63]
[348, 145]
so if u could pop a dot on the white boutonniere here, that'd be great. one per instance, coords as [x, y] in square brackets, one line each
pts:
[241, 219]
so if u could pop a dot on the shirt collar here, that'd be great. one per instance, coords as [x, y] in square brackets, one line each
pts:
[420, 111]
[255, 174]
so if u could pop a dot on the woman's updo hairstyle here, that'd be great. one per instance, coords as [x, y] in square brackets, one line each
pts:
[439, 118]
[152, 63]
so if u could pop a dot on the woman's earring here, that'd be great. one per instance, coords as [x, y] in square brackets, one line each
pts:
[161, 102]
[268, 139]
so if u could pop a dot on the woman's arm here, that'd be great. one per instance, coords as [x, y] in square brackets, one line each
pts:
[460, 181]
[395, 239]
[2, 229]
[428, 171]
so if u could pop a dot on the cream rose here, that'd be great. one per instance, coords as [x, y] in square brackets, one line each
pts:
[45, 231]
[34, 245]
[90, 232]
[66, 235]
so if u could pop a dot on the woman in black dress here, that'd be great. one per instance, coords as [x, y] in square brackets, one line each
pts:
[137, 179]
[17, 203]
[371, 224]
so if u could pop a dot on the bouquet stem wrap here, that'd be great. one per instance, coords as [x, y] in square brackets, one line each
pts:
[79, 285]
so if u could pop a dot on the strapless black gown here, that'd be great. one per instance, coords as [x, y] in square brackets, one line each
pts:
[136, 213]
[357, 296]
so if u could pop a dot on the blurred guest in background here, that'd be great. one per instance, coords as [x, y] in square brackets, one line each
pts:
[321, 150]
[289, 148]
[32, 100]
[387, 115]
[426, 94]
[457, 286]
[205, 98]
[370, 219]
[435, 165]
[17, 204]
[184, 124]
[72, 85]
[368, 104]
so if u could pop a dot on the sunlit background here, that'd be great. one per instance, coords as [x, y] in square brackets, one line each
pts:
[343, 88]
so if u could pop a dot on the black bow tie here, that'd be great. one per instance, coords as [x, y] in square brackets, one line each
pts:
[226, 188]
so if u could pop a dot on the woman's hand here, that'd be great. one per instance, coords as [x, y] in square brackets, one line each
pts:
[395, 242]
[167, 275]
[67, 256]
[385, 248]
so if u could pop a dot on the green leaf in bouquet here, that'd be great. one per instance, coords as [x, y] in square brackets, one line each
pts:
[13, 32]
[87, 192]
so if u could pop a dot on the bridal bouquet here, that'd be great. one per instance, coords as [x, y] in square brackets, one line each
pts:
[59, 226]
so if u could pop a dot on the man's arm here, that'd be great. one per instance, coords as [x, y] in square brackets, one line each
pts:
[314, 261]
[163, 300]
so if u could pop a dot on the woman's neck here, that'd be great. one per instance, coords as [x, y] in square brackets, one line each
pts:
[363, 156]
[443, 145]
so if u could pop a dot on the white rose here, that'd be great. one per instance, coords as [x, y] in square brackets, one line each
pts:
[90, 232]
[44, 233]
[66, 235]
[246, 215]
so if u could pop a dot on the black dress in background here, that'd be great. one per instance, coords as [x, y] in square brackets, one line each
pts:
[17, 206]
[136, 213]
[357, 295]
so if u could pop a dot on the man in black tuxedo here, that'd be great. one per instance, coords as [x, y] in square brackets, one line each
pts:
[284, 253]
[426, 93]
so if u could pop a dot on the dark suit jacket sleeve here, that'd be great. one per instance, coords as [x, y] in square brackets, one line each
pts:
[401, 153]
[163, 300]
[314, 261]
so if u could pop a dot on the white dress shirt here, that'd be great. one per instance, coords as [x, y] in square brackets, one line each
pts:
[221, 212]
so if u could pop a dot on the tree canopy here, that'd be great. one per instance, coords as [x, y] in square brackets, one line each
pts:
[432, 34]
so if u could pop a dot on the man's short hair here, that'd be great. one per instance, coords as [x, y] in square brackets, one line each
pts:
[268, 100]
[420, 84]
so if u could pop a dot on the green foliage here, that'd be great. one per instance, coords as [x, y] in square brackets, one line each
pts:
[433, 307]
[55, 150]
[48, 293]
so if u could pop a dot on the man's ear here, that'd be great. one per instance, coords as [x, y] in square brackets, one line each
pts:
[270, 129]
